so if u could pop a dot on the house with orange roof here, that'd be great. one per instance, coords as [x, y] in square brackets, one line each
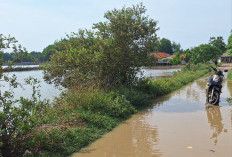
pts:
[162, 58]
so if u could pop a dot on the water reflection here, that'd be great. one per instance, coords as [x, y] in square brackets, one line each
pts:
[158, 72]
[135, 138]
[215, 120]
[175, 122]
[229, 86]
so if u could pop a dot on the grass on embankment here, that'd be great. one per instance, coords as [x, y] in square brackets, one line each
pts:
[229, 76]
[80, 117]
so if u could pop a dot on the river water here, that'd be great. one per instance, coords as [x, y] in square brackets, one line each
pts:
[176, 125]
[49, 91]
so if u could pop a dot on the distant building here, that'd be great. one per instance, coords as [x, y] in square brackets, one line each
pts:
[162, 58]
[225, 58]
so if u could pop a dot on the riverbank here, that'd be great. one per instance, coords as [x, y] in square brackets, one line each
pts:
[229, 76]
[22, 69]
[81, 117]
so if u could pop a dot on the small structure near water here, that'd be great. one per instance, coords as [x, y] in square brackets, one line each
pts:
[225, 58]
[162, 58]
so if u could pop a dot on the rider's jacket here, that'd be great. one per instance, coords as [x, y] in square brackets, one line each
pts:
[215, 80]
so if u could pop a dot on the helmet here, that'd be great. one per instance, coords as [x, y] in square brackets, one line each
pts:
[219, 73]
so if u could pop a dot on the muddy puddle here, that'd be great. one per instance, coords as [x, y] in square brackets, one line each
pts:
[177, 125]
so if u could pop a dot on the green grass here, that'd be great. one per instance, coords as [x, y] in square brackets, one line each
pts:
[229, 76]
[80, 117]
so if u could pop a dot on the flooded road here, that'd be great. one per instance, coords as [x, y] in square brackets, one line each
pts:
[177, 125]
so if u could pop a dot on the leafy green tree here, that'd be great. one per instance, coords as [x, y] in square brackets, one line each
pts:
[128, 33]
[111, 56]
[203, 53]
[7, 57]
[75, 63]
[229, 45]
[9, 44]
[219, 43]
[165, 46]
[176, 47]
[48, 51]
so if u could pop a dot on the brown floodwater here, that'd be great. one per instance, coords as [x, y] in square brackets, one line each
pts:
[177, 125]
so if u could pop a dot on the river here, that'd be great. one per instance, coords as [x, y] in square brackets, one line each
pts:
[176, 125]
[49, 91]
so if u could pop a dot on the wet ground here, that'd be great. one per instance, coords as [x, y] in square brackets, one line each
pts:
[177, 125]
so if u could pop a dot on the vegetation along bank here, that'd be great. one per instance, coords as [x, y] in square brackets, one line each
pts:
[79, 117]
[99, 69]
[229, 76]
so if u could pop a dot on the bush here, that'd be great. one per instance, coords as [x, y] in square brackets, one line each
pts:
[229, 76]
[18, 118]
[135, 97]
[109, 55]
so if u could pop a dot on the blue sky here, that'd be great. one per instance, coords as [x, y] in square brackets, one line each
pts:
[38, 23]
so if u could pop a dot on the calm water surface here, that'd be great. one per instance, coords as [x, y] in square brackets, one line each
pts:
[177, 125]
[48, 91]
[156, 72]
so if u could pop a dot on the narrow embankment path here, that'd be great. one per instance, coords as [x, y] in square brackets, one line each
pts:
[177, 125]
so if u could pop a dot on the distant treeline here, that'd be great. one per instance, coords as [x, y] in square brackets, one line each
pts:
[32, 57]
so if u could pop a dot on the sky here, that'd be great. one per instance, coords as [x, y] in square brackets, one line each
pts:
[38, 23]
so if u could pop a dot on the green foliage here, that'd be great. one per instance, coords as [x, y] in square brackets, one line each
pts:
[18, 117]
[102, 102]
[202, 54]
[229, 100]
[219, 43]
[135, 97]
[60, 142]
[164, 86]
[75, 61]
[18, 52]
[80, 116]
[229, 76]
[165, 46]
[111, 55]
[176, 47]
[229, 45]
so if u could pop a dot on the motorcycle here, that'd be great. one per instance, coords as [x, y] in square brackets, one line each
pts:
[214, 86]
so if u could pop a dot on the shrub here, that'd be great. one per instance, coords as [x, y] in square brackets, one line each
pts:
[229, 76]
[18, 117]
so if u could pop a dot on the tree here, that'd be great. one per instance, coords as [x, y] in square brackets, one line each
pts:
[165, 46]
[203, 53]
[129, 33]
[48, 51]
[9, 43]
[218, 42]
[176, 47]
[229, 45]
[111, 56]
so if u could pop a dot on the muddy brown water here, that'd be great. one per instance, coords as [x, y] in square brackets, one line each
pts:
[177, 125]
